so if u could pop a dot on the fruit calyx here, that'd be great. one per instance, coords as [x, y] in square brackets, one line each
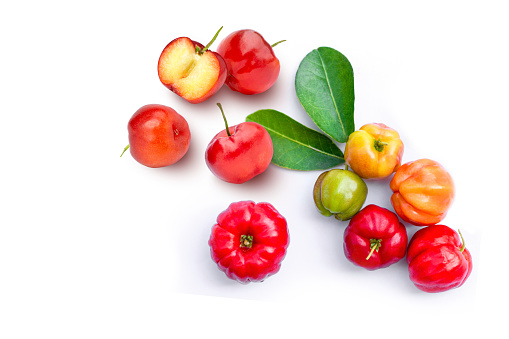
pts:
[246, 241]
[379, 145]
[200, 51]
[374, 245]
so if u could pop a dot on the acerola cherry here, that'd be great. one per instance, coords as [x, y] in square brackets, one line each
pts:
[249, 241]
[374, 151]
[423, 192]
[375, 238]
[158, 136]
[252, 65]
[239, 153]
[191, 70]
[340, 193]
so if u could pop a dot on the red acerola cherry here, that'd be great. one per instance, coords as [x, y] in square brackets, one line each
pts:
[252, 65]
[239, 153]
[375, 238]
[158, 136]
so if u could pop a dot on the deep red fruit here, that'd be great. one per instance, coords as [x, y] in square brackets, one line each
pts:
[249, 241]
[241, 153]
[252, 65]
[375, 238]
[438, 259]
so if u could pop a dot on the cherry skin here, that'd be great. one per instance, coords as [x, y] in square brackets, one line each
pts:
[239, 153]
[158, 136]
[252, 65]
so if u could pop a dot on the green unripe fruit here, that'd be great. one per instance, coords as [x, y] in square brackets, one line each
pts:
[340, 193]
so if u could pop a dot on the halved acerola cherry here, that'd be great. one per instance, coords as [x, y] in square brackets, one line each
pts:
[191, 70]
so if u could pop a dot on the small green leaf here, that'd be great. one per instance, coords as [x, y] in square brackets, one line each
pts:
[324, 86]
[296, 146]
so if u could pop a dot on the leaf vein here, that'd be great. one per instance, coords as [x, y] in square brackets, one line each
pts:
[332, 94]
[303, 144]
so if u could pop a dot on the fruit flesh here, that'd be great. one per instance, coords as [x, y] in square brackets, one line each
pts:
[188, 73]
[177, 61]
[199, 79]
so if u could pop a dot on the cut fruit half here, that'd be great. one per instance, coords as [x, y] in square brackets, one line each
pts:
[193, 75]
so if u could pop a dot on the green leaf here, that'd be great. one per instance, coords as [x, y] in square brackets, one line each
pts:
[324, 86]
[296, 146]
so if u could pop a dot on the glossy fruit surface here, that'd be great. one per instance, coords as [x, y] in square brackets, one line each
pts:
[244, 154]
[252, 65]
[423, 192]
[239, 153]
[340, 193]
[374, 151]
[249, 241]
[375, 238]
[438, 259]
[158, 136]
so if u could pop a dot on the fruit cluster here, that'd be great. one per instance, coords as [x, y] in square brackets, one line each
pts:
[246, 63]
[423, 192]
[249, 240]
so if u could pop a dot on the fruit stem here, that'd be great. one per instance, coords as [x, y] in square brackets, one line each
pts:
[463, 241]
[277, 43]
[204, 49]
[375, 245]
[125, 149]
[224, 118]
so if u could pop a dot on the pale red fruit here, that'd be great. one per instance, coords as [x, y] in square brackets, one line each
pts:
[158, 136]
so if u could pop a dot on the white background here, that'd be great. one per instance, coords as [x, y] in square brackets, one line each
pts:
[97, 246]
